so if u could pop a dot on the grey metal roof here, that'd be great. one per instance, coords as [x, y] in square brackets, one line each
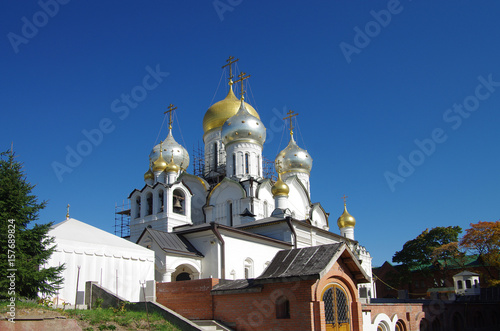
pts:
[298, 264]
[173, 243]
[301, 262]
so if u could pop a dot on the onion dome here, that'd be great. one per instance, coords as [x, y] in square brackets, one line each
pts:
[171, 166]
[346, 220]
[243, 127]
[294, 159]
[169, 147]
[149, 174]
[220, 111]
[159, 164]
[280, 188]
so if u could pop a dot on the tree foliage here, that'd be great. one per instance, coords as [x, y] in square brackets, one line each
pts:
[417, 253]
[25, 247]
[483, 238]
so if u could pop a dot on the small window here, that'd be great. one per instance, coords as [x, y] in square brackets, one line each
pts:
[282, 307]
[468, 283]
[234, 164]
[149, 200]
[138, 207]
[460, 285]
[248, 268]
[247, 166]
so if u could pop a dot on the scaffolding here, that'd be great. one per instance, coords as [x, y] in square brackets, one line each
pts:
[215, 176]
[212, 174]
[122, 219]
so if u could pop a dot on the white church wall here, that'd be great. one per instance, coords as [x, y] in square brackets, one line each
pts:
[242, 252]
[298, 201]
[208, 245]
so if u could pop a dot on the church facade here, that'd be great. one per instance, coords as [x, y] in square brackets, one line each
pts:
[230, 222]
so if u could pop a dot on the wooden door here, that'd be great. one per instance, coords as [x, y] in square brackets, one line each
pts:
[337, 316]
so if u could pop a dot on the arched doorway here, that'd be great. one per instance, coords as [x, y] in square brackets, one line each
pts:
[337, 312]
[184, 272]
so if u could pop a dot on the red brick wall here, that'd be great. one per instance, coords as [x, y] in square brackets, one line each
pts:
[409, 313]
[191, 299]
[256, 311]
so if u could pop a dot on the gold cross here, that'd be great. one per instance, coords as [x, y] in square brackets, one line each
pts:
[171, 108]
[291, 114]
[229, 62]
[242, 78]
[344, 198]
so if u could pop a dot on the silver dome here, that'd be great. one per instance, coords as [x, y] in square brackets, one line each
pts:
[169, 145]
[243, 127]
[294, 159]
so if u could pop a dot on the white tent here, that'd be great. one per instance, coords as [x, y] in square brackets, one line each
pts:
[91, 254]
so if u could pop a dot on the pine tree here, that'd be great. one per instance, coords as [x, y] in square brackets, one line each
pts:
[24, 247]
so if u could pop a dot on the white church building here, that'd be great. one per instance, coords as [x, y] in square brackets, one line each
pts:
[230, 221]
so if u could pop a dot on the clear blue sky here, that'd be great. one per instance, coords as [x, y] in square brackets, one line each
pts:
[418, 70]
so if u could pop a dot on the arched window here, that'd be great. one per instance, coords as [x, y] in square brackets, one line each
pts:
[149, 200]
[400, 326]
[230, 213]
[247, 165]
[179, 202]
[282, 307]
[459, 285]
[248, 268]
[457, 322]
[160, 201]
[138, 207]
[478, 320]
[337, 312]
[234, 164]
[216, 156]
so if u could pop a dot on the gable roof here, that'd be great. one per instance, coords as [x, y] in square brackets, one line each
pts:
[171, 242]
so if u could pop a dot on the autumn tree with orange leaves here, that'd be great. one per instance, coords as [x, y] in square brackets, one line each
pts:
[483, 238]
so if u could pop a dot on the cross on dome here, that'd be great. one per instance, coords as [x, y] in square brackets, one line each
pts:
[229, 63]
[291, 114]
[344, 198]
[171, 108]
[242, 78]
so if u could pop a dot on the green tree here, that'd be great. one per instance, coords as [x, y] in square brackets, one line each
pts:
[417, 254]
[25, 247]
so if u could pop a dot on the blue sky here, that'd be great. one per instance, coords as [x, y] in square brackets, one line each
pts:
[398, 101]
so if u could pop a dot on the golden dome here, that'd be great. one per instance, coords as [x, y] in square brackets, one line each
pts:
[220, 111]
[159, 164]
[346, 220]
[171, 166]
[280, 188]
[149, 175]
